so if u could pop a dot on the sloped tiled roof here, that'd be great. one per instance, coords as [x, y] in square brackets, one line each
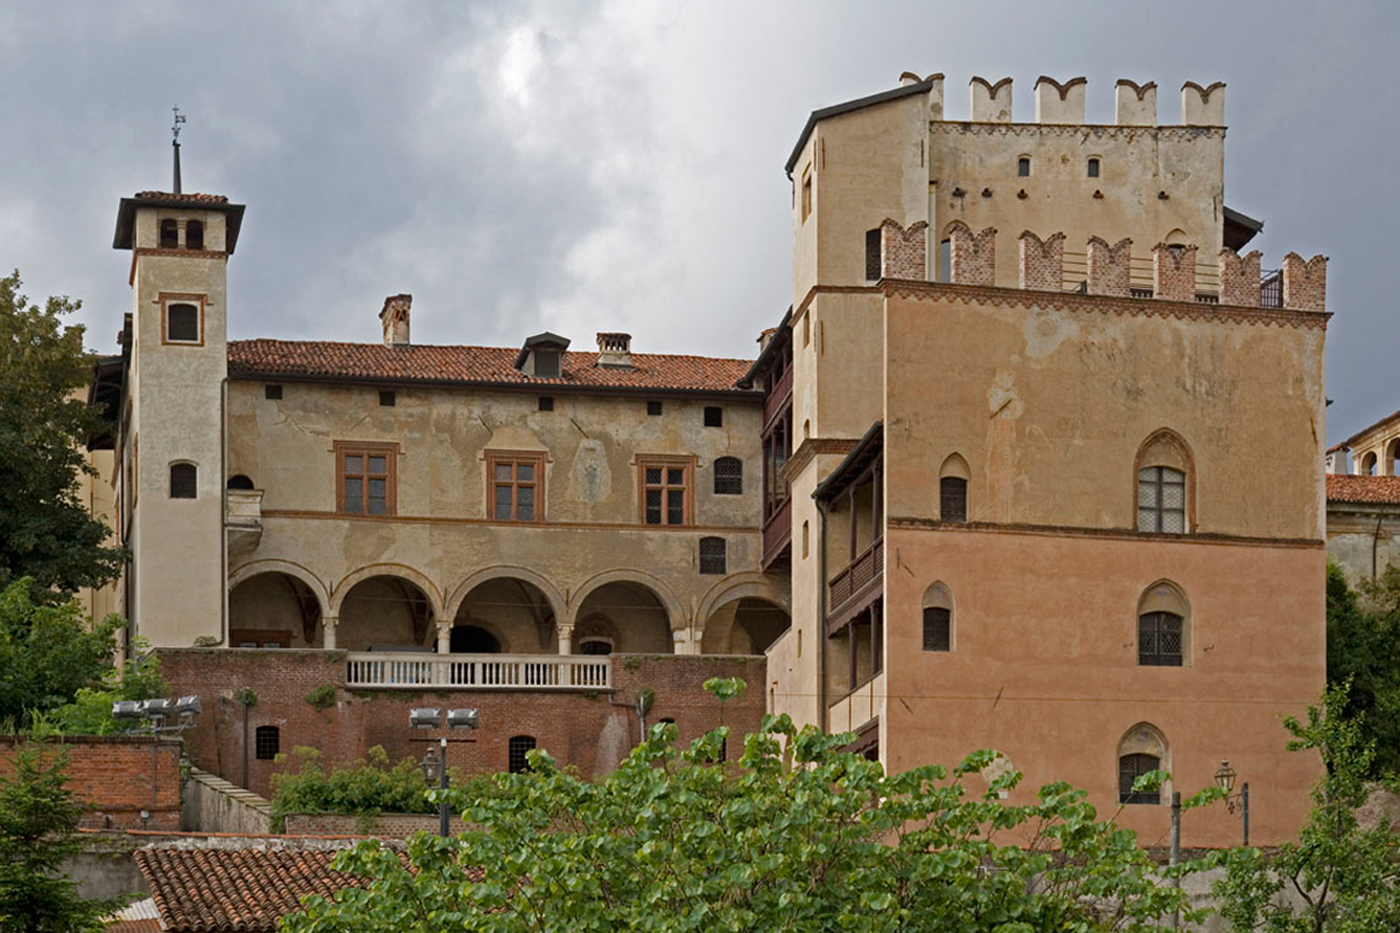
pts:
[476, 365]
[1382, 490]
[236, 889]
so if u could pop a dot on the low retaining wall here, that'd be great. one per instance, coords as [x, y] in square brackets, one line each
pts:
[213, 805]
[383, 826]
[117, 778]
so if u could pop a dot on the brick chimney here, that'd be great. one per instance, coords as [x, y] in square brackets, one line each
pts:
[394, 317]
[615, 351]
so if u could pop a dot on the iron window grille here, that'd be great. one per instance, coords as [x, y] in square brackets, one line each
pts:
[952, 499]
[729, 476]
[938, 625]
[1159, 639]
[1162, 500]
[267, 742]
[712, 555]
[665, 492]
[519, 745]
[1132, 767]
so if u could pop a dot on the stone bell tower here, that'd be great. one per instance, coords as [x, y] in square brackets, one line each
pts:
[172, 469]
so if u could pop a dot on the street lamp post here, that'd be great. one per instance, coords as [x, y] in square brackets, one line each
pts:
[434, 767]
[1225, 778]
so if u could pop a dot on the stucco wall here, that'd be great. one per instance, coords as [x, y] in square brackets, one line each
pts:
[212, 805]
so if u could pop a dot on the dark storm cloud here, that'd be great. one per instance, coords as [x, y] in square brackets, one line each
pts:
[599, 166]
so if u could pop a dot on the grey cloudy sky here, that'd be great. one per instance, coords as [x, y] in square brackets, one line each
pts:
[617, 165]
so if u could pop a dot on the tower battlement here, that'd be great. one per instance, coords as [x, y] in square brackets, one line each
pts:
[1063, 103]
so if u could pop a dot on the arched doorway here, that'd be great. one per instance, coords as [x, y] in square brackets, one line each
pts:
[744, 626]
[629, 616]
[504, 614]
[385, 613]
[273, 610]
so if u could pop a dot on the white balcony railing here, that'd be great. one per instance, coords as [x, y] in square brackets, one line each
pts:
[380, 670]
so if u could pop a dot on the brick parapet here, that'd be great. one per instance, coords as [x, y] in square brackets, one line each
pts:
[1305, 282]
[113, 778]
[1174, 272]
[1110, 267]
[1042, 261]
[1240, 278]
[903, 253]
[973, 255]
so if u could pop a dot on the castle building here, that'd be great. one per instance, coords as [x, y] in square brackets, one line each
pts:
[1013, 426]
[993, 481]
[1363, 500]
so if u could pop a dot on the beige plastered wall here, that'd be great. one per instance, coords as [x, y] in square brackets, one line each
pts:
[1049, 406]
[97, 494]
[441, 539]
[176, 392]
[1363, 539]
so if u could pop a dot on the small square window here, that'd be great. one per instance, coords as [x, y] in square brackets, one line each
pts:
[714, 416]
[182, 323]
[653, 407]
[1093, 168]
[546, 403]
[387, 399]
[267, 742]
[1023, 167]
[272, 391]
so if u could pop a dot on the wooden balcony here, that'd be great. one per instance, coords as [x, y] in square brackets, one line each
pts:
[776, 400]
[389, 670]
[857, 576]
[777, 534]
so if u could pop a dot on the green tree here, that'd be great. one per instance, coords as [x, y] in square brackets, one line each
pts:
[797, 835]
[45, 532]
[1339, 877]
[90, 712]
[47, 653]
[38, 833]
[1363, 649]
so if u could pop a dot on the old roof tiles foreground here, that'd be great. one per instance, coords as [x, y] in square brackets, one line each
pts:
[205, 889]
[324, 359]
[1380, 490]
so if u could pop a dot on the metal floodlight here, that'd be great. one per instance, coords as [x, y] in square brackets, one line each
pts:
[126, 709]
[463, 719]
[188, 706]
[157, 708]
[425, 718]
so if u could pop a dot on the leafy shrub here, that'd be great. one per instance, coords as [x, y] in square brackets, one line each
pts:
[90, 713]
[323, 697]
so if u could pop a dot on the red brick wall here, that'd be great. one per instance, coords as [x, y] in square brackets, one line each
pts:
[1110, 267]
[1174, 272]
[1042, 261]
[1239, 278]
[903, 253]
[1305, 283]
[592, 731]
[972, 255]
[111, 776]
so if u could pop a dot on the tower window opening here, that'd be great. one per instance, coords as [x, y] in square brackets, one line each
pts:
[182, 323]
[169, 235]
[194, 234]
[1023, 166]
[1093, 168]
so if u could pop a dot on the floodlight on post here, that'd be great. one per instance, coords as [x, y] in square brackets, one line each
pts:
[463, 719]
[127, 710]
[425, 718]
[434, 766]
[188, 706]
[157, 708]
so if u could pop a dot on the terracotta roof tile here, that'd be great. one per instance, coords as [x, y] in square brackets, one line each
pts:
[1384, 490]
[480, 365]
[236, 889]
[192, 196]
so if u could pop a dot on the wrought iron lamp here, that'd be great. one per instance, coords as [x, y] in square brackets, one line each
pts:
[1225, 779]
[434, 763]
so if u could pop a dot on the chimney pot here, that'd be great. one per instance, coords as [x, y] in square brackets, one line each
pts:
[615, 350]
[394, 317]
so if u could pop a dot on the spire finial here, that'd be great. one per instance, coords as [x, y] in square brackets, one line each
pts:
[175, 143]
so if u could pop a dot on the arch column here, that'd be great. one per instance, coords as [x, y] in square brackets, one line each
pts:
[444, 636]
[328, 625]
[685, 641]
[566, 637]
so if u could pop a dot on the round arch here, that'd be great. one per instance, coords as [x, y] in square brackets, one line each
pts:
[1161, 597]
[676, 615]
[740, 586]
[402, 571]
[1392, 457]
[503, 571]
[269, 565]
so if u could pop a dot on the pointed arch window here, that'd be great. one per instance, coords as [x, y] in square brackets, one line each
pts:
[937, 618]
[1163, 634]
[952, 489]
[1164, 490]
[1142, 749]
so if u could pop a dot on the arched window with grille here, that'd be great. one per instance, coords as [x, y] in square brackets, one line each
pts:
[1164, 493]
[952, 489]
[519, 745]
[184, 481]
[729, 476]
[1163, 636]
[938, 618]
[1142, 749]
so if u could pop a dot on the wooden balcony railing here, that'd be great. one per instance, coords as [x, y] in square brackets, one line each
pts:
[777, 399]
[777, 532]
[387, 670]
[857, 575]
